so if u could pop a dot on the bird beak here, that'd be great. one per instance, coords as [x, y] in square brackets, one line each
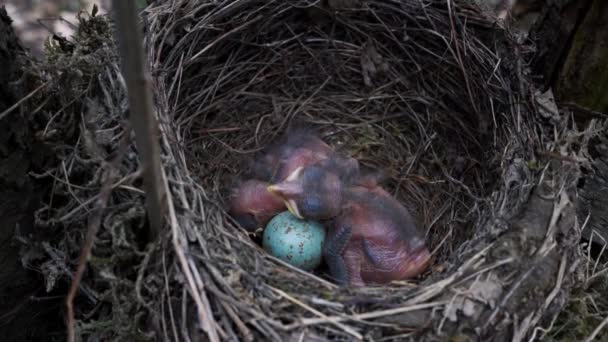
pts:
[288, 189]
[285, 190]
[293, 208]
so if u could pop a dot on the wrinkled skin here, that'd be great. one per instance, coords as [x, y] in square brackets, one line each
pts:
[307, 173]
[252, 205]
[374, 240]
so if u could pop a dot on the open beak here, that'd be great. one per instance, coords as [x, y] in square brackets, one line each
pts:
[289, 189]
[293, 208]
[283, 190]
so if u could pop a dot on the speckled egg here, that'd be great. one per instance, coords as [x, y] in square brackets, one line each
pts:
[295, 241]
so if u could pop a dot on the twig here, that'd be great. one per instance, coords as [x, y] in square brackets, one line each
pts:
[597, 330]
[298, 270]
[205, 316]
[246, 333]
[367, 315]
[141, 109]
[220, 38]
[584, 112]
[16, 105]
[324, 318]
[458, 57]
[556, 289]
[94, 223]
[112, 169]
[557, 156]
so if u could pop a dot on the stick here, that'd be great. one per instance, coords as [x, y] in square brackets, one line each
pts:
[597, 330]
[205, 315]
[141, 109]
[324, 318]
[365, 316]
[94, 223]
[112, 172]
[25, 98]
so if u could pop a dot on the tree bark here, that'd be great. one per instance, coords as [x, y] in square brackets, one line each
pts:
[552, 33]
[572, 56]
[594, 202]
[18, 202]
[572, 53]
[583, 78]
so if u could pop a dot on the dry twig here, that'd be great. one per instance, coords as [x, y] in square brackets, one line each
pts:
[142, 110]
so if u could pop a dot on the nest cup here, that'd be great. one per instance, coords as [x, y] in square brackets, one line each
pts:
[394, 97]
[412, 88]
[428, 92]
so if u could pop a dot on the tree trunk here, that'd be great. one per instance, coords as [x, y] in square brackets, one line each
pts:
[583, 78]
[553, 32]
[572, 42]
[19, 287]
[594, 202]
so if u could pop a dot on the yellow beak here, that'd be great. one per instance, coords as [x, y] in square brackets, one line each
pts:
[292, 209]
[290, 204]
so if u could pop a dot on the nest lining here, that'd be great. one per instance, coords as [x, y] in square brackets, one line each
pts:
[412, 88]
[394, 119]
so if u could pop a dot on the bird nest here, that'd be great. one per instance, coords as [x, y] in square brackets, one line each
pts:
[430, 92]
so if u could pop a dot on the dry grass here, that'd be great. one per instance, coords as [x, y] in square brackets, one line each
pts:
[586, 315]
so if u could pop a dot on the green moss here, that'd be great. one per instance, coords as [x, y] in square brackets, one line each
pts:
[585, 311]
[534, 165]
[100, 262]
[141, 3]
[460, 338]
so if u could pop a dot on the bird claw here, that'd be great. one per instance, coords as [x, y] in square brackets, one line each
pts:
[332, 251]
[337, 242]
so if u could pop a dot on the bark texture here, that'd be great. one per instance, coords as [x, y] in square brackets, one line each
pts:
[572, 55]
[22, 307]
[584, 75]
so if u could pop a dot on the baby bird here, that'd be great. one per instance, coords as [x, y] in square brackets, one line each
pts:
[252, 205]
[299, 147]
[374, 240]
[316, 191]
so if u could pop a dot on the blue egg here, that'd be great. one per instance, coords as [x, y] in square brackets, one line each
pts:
[297, 242]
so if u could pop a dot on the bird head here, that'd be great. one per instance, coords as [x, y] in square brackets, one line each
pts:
[311, 192]
[251, 205]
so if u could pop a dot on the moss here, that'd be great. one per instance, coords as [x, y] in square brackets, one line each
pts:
[141, 3]
[585, 311]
